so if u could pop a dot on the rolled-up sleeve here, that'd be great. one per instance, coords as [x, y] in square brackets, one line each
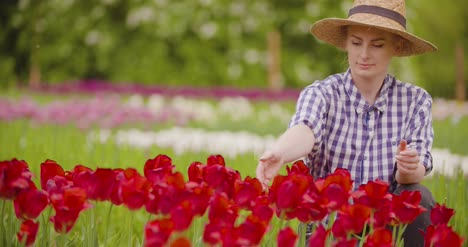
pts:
[421, 132]
[310, 110]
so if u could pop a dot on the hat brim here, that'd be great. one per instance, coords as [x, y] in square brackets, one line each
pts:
[330, 30]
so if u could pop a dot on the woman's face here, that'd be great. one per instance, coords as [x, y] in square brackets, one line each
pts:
[370, 51]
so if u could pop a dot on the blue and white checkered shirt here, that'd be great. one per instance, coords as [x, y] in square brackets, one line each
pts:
[359, 137]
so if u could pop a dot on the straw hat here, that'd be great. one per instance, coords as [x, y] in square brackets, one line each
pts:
[388, 15]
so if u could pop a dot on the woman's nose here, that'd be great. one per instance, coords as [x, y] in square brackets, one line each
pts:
[364, 53]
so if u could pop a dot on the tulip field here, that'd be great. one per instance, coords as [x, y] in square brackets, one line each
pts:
[129, 166]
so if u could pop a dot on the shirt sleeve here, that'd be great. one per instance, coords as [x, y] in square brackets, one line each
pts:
[311, 111]
[421, 132]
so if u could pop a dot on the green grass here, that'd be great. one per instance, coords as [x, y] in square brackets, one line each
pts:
[452, 135]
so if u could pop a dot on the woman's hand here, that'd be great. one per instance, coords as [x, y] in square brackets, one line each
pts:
[268, 167]
[409, 168]
[295, 143]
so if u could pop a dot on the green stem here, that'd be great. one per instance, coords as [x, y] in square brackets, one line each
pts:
[130, 232]
[363, 235]
[108, 223]
[302, 233]
[331, 221]
[63, 239]
[2, 228]
[401, 230]
[93, 238]
[45, 228]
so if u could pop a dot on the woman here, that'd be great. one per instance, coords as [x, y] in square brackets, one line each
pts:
[357, 119]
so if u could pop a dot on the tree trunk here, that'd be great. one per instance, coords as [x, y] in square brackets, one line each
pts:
[460, 89]
[275, 82]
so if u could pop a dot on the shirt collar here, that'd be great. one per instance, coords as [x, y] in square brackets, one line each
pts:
[356, 99]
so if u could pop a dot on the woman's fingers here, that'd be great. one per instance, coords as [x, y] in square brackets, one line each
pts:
[267, 168]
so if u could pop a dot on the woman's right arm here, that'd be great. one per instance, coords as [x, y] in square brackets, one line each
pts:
[292, 145]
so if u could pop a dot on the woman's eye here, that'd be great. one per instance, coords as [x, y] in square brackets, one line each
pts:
[378, 45]
[356, 43]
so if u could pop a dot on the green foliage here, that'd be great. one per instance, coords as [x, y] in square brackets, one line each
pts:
[203, 42]
[444, 26]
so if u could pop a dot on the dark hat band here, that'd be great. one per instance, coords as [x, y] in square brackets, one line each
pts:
[376, 10]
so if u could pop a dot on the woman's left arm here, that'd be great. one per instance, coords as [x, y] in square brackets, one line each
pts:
[415, 161]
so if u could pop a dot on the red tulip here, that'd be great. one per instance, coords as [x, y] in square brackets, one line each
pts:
[50, 169]
[195, 172]
[247, 191]
[381, 237]
[333, 197]
[273, 191]
[262, 209]
[384, 216]
[27, 233]
[440, 214]
[215, 160]
[155, 169]
[374, 194]
[181, 242]
[308, 212]
[14, 178]
[200, 195]
[251, 231]
[67, 207]
[318, 237]
[222, 210]
[287, 237]
[345, 243]
[291, 191]
[341, 177]
[157, 232]
[57, 185]
[167, 194]
[351, 220]
[406, 206]
[182, 215]
[298, 168]
[116, 187]
[213, 233]
[442, 236]
[221, 178]
[78, 169]
[30, 203]
[134, 189]
[333, 191]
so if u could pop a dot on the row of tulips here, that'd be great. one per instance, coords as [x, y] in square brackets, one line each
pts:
[105, 112]
[443, 108]
[113, 111]
[238, 211]
[232, 144]
[186, 140]
[96, 86]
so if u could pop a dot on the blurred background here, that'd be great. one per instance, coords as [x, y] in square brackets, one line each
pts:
[113, 83]
[263, 43]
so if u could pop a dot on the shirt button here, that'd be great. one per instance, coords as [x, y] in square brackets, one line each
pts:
[371, 129]
[365, 157]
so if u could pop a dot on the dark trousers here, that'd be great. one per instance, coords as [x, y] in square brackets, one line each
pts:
[412, 235]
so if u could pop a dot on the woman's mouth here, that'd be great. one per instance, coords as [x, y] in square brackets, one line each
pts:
[364, 65]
